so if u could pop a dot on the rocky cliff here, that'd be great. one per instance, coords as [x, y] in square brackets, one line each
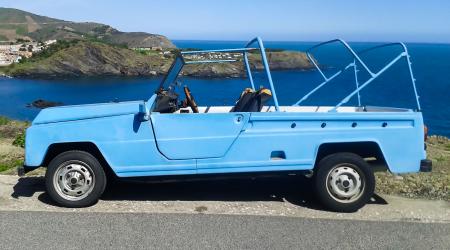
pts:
[87, 58]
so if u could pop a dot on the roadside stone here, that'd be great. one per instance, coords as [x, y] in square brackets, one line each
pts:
[398, 177]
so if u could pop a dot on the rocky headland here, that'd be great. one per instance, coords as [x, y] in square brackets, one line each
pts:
[93, 58]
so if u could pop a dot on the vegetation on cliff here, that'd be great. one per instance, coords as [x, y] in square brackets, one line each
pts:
[95, 58]
[88, 58]
[11, 147]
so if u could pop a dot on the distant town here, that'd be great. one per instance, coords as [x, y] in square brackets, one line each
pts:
[15, 51]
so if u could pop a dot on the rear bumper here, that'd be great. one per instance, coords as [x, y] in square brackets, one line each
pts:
[426, 165]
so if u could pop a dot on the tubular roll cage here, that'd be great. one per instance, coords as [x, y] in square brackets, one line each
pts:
[357, 60]
[180, 61]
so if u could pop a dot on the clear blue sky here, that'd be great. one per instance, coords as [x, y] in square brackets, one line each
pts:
[354, 20]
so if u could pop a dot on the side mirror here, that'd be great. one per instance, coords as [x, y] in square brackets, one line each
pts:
[144, 113]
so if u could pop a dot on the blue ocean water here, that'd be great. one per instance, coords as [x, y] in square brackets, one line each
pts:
[431, 65]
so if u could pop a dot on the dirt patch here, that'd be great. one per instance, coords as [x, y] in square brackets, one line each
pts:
[32, 25]
[201, 209]
[10, 34]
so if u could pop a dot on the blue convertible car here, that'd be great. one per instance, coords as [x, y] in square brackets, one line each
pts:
[339, 146]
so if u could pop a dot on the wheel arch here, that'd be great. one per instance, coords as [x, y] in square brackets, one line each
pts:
[57, 148]
[368, 150]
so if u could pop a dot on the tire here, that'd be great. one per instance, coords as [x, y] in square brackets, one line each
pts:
[75, 179]
[344, 182]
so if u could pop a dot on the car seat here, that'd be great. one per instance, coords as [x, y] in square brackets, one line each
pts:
[252, 101]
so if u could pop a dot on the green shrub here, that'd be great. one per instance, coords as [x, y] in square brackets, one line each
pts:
[11, 164]
[3, 120]
[52, 49]
[22, 30]
[19, 141]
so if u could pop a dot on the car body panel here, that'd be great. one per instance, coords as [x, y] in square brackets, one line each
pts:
[401, 141]
[80, 112]
[196, 136]
[128, 144]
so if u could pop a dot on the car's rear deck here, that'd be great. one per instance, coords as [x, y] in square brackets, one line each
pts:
[300, 109]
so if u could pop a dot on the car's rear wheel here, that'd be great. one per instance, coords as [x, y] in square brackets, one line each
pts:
[75, 179]
[344, 182]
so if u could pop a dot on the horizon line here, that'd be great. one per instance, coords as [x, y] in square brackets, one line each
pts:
[310, 41]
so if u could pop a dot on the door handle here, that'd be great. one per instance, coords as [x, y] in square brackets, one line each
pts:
[238, 119]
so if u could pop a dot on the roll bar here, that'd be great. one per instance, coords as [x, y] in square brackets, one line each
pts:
[180, 61]
[357, 60]
[266, 69]
[356, 63]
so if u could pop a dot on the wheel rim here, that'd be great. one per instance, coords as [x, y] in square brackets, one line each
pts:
[345, 183]
[74, 180]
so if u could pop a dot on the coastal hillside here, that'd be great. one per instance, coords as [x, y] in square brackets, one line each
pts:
[17, 24]
[90, 59]
[93, 58]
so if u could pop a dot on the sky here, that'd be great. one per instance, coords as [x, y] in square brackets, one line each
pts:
[275, 20]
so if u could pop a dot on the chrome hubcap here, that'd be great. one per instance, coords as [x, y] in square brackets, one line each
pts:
[74, 180]
[344, 183]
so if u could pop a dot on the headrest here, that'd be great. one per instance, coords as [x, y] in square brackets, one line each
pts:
[265, 91]
[247, 91]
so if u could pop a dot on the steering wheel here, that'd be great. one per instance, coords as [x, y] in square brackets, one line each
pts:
[190, 100]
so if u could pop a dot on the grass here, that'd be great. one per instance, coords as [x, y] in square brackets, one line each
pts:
[10, 129]
[147, 52]
[22, 30]
[11, 155]
[434, 185]
[3, 120]
[10, 164]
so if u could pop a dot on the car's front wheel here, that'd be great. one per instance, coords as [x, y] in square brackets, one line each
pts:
[75, 179]
[344, 182]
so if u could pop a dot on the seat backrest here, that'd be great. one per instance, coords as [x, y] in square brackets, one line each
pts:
[251, 101]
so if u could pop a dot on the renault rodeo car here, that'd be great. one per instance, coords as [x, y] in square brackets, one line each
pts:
[339, 146]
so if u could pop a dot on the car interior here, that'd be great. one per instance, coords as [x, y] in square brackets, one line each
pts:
[167, 101]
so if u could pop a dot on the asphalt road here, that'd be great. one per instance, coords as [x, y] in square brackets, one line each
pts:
[54, 230]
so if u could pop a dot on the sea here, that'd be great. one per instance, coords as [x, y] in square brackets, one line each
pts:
[393, 88]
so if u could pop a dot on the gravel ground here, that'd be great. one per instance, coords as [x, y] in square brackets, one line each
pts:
[290, 197]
